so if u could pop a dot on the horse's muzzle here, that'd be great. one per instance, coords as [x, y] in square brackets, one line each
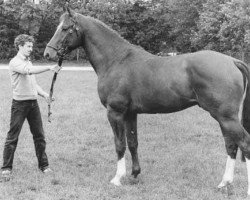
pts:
[50, 54]
[47, 56]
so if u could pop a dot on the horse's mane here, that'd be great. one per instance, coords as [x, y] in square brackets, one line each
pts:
[98, 23]
[103, 25]
[124, 50]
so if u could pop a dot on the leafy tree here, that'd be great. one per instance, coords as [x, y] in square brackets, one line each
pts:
[208, 26]
[223, 26]
[184, 15]
[236, 26]
[156, 25]
[144, 23]
[9, 28]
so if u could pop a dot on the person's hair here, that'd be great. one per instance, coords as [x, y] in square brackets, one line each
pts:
[21, 39]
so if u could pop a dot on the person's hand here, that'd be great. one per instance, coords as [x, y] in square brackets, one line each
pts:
[55, 68]
[47, 98]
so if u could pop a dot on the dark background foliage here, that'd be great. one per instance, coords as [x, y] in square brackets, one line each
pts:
[156, 25]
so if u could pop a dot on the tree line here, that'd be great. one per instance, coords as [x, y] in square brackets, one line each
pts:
[158, 26]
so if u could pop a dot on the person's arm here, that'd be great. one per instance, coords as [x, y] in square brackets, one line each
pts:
[42, 93]
[28, 68]
[40, 69]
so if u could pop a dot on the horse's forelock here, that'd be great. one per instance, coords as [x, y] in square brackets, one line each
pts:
[62, 17]
[67, 19]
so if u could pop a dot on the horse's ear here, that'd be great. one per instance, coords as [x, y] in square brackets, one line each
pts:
[71, 12]
[65, 7]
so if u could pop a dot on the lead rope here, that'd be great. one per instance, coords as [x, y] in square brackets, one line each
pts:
[52, 89]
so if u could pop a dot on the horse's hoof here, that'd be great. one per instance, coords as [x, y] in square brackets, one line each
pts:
[133, 181]
[116, 182]
[221, 185]
[136, 172]
[226, 189]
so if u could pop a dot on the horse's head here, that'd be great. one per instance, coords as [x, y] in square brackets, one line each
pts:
[66, 38]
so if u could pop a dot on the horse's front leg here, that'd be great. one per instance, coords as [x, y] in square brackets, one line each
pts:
[132, 140]
[116, 120]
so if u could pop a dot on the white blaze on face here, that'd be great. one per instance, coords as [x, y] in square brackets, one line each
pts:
[121, 171]
[229, 173]
[59, 26]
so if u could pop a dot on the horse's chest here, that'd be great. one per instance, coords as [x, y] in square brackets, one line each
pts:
[114, 88]
[102, 92]
[106, 88]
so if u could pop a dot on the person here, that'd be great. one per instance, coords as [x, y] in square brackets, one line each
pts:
[25, 91]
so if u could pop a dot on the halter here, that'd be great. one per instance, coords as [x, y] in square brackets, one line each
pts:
[61, 52]
[64, 49]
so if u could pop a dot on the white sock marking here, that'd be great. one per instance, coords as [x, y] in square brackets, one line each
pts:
[229, 172]
[121, 171]
[248, 175]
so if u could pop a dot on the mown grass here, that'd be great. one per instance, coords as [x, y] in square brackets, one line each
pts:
[182, 155]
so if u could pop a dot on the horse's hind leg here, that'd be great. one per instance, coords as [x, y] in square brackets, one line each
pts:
[132, 141]
[235, 135]
[228, 176]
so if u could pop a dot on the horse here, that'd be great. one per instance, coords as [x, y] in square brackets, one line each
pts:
[132, 81]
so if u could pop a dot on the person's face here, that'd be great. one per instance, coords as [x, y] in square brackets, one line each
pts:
[26, 49]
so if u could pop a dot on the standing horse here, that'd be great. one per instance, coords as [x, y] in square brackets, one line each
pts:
[132, 81]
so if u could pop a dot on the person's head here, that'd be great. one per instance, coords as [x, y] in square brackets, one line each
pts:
[24, 44]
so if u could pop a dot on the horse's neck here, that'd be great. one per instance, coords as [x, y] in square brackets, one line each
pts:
[103, 46]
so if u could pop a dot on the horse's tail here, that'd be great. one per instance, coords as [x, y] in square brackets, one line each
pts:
[245, 120]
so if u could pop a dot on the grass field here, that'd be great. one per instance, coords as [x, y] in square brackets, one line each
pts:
[182, 155]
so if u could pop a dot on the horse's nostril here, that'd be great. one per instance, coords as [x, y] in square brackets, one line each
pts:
[47, 56]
